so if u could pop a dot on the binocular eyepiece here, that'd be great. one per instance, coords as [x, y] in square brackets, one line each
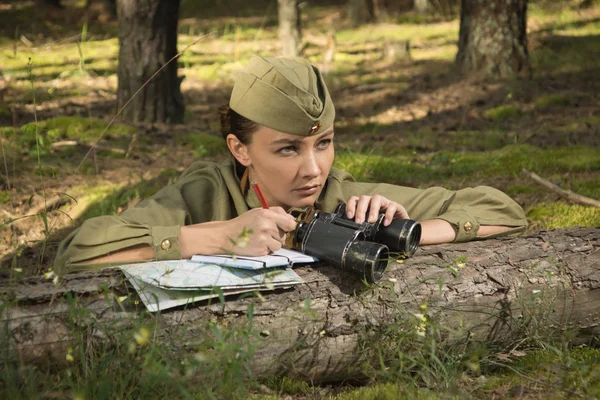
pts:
[364, 248]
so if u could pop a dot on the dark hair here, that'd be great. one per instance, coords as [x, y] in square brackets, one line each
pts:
[240, 126]
[234, 123]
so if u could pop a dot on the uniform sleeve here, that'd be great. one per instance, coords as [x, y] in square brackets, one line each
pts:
[466, 209]
[155, 222]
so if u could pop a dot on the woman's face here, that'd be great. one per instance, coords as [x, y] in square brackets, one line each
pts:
[290, 169]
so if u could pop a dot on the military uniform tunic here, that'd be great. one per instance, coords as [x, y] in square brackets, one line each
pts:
[207, 191]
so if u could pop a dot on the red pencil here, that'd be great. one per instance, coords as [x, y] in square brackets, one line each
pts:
[260, 195]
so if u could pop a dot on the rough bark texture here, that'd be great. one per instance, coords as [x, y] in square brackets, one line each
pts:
[147, 41]
[493, 38]
[290, 32]
[491, 291]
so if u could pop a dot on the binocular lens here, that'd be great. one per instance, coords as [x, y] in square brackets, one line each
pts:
[402, 235]
[367, 259]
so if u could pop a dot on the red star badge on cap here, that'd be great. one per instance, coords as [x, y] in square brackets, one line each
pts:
[315, 128]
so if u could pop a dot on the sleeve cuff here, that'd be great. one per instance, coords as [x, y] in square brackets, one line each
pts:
[165, 241]
[465, 225]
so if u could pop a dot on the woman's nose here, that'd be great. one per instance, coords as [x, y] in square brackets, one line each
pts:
[310, 166]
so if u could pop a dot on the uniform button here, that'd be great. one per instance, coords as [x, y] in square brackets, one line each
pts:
[166, 244]
[468, 226]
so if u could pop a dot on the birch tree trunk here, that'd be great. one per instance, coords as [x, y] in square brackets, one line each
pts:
[422, 6]
[493, 39]
[147, 41]
[290, 31]
[494, 291]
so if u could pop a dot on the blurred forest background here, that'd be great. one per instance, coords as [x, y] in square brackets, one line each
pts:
[427, 92]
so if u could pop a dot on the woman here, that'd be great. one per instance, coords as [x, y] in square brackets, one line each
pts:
[279, 127]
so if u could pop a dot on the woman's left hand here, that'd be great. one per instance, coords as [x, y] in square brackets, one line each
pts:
[368, 208]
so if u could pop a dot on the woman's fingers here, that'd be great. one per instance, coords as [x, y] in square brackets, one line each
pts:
[368, 208]
[361, 209]
[351, 206]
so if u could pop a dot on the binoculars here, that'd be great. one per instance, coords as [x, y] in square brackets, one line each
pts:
[364, 249]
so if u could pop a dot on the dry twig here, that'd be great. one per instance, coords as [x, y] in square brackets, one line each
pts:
[574, 197]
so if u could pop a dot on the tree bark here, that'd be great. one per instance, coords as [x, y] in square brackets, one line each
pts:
[290, 27]
[360, 12]
[147, 41]
[494, 291]
[493, 39]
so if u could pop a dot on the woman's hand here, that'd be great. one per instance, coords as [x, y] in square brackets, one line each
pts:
[259, 231]
[254, 233]
[368, 208]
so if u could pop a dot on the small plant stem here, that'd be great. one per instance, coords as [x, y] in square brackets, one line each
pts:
[43, 214]
[5, 164]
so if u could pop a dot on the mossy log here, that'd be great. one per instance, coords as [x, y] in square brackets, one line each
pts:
[496, 290]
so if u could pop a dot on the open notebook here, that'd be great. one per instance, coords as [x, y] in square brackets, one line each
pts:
[280, 258]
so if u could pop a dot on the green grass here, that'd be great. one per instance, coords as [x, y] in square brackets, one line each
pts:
[414, 169]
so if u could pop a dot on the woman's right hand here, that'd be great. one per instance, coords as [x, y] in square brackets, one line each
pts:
[259, 231]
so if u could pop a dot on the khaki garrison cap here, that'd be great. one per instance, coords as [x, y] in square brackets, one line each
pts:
[285, 94]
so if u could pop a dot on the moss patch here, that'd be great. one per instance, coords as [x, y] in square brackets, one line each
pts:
[79, 129]
[502, 112]
[4, 197]
[204, 144]
[563, 215]
[553, 100]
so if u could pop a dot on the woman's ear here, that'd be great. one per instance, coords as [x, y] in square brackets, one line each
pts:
[238, 149]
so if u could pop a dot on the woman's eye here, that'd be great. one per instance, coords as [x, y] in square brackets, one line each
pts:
[324, 143]
[287, 150]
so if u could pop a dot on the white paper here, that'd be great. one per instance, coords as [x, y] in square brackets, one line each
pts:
[280, 258]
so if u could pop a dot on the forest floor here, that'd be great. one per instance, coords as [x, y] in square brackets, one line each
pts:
[410, 121]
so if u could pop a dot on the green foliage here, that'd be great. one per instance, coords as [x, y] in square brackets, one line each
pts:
[502, 112]
[4, 197]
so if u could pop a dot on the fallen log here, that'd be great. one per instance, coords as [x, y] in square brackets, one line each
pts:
[498, 290]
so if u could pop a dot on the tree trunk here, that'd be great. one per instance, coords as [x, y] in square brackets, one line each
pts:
[360, 12]
[493, 39]
[494, 291]
[147, 41]
[422, 6]
[290, 27]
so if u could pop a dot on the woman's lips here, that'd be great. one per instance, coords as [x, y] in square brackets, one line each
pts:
[307, 190]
